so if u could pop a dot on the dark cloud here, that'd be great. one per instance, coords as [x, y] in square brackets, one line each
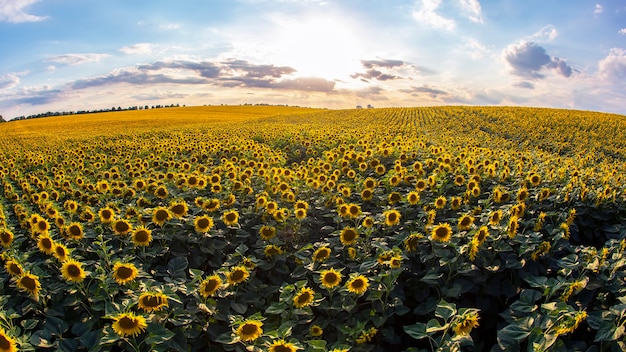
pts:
[38, 97]
[373, 73]
[203, 68]
[527, 59]
[524, 84]
[381, 63]
[134, 77]
[304, 84]
[434, 93]
[258, 71]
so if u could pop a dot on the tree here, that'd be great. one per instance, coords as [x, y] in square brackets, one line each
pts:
[1, 119]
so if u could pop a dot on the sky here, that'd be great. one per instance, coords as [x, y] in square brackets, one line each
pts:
[70, 55]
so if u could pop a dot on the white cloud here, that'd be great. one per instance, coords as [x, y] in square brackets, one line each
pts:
[548, 32]
[477, 49]
[169, 26]
[528, 59]
[138, 49]
[9, 81]
[598, 9]
[14, 11]
[77, 59]
[622, 31]
[427, 15]
[613, 67]
[474, 9]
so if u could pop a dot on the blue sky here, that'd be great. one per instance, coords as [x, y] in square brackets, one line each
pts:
[62, 55]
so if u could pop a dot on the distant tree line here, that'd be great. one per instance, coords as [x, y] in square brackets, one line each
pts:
[81, 112]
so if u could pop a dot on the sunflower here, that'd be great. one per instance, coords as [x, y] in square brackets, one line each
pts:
[46, 244]
[121, 227]
[466, 324]
[230, 217]
[455, 203]
[392, 217]
[354, 210]
[106, 215]
[72, 270]
[161, 192]
[202, 224]
[267, 232]
[7, 343]
[160, 215]
[60, 252]
[367, 194]
[300, 213]
[357, 285]
[179, 209]
[441, 232]
[321, 254]
[237, 275]
[13, 268]
[522, 194]
[304, 297]
[459, 180]
[142, 236]
[495, 218]
[413, 197]
[440, 202]
[330, 278]
[249, 330]
[465, 222]
[271, 207]
[6, 238]
[152, 301]
[316, 331]
[482, 234]
[348, 236]
[281, 214]
[87, 215]
[534, 179]
[41, 226]
[368, 222]
[410, 243]
[272, 250]
[125, 324]
[124, 272]
[301, 204]
[74, 231]
[394, 197]
[370, 183]
[540, 220]
[282, 346]
[421, 185]
[513, 226]
[29, 283]
[209, 286]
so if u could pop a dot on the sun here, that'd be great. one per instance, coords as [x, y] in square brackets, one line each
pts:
[318, 45]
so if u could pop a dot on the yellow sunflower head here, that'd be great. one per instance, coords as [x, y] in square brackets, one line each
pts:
[348, 236]
[392, 217]
[6, 238]
[202, 224]
[267, 232]
[330, 278]
[357, 285]
[129, 324]
[7, 342]
[121, 227]
[29, 283]
[124, 273]
[160, 215]
[321, 254]
[250, 330]
[142, 236]
[209, 286]
[237, 275]
[152, 301]
[230, 217]
[442, 232]
[72, 271]
[282, 346]
[304, 297]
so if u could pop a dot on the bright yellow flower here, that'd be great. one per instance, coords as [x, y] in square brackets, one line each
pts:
[304, 297]
[72, 270]
[250, 330]
[357, 285]
[129, 324]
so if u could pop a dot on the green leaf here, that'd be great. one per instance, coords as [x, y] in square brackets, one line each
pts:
[55, 325]
[90, 339]
[177, 269]
[239, 307]
[158, 334]
[445, 310]
[317, 345]
[41, 338]
[275, 308]
[416, 331]
[432, 277]
[433, 325]
[605, 331]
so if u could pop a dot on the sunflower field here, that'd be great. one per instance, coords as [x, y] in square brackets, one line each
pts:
[247, 228]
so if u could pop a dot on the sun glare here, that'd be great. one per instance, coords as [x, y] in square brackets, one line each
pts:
[318, 46]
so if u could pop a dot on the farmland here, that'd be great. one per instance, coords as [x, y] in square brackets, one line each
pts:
[237, 228]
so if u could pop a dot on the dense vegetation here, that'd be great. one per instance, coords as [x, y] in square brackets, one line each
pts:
[280, 229]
